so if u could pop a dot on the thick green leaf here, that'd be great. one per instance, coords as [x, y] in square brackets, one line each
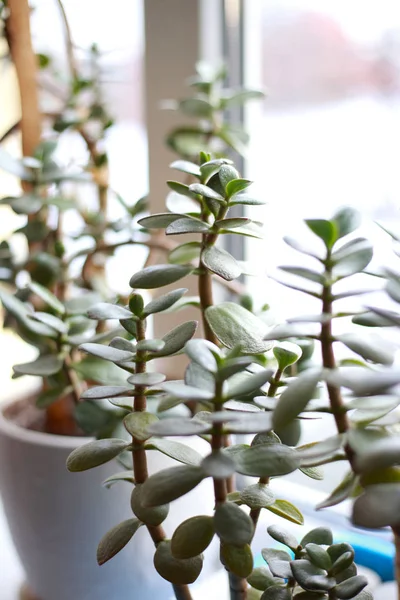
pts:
[304, 273]
[181, 188]
[226, 174]
[207, 192]
[257, 496]
[176, 450]
[176, 426]
[327, 231]
[319, 535]
[276, 592]
[150, 345]
[187, 225]
[163, 302]
[218, 465]
[235, 326]
[299, 246]
[237, 559]
[41, 367]
[231, 223]
[81, 304]
[105, 310]
[95, 453]
[201, 352]
[317, 453]
[368, 349]
[287, 511]
[347, 220]
[178, 389]
[158, 276]
[351, 587]
[196, 107]
[98, 371]
[286, 354]
[177, 338]
[248, 384]
[342, 563]
[123, 344]
[177, 571]
[274, 554]
[341, 492]
[127, 476]
[192, 537]
[251, 423]
[136, 423]
[14, 306]
[170, 484]
[146, 379]
[47, 297]
[268, 460]
[261, 578]
[186, 167]
[28, 204]
[377, 454]
[221, 263]
[107, 352]
[378, 506]
[310, 577]
[160, 220]
[245, 200]
[232, 524]
[14, 166]
[232, 366]
[150, 516]
[184, 254]
[363, 382]
[116, 539]
[284, 537]
[51, 321]
[295, 398]
[236, 186]
[318, 556]
[354, 263]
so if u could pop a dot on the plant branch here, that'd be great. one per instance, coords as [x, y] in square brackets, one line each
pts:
[18, 34]
[139, 458]
[273, 388]
[68, 42]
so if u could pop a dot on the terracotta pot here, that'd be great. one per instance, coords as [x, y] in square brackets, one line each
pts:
[57, 518]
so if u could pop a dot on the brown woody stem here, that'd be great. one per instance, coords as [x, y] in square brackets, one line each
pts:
[273, 387]
[139, 458]
[19, 39]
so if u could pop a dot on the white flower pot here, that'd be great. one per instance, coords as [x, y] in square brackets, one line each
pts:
[57, 518]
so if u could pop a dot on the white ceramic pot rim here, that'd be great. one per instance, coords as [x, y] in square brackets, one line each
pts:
[37, 438]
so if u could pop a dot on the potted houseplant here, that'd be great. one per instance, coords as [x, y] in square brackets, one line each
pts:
[243, 378]
[45, 297]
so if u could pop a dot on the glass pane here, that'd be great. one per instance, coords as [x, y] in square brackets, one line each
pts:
[328, 133]
[119, 38]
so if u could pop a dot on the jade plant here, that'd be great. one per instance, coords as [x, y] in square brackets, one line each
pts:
[48, 290]
[211, 131]
[241, 379]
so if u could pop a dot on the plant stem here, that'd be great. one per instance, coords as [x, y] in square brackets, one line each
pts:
[139, 458]
[206, 300]
[329, 361]
[18, 33]
[273, 387]
[217, 443]
[237, 587]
